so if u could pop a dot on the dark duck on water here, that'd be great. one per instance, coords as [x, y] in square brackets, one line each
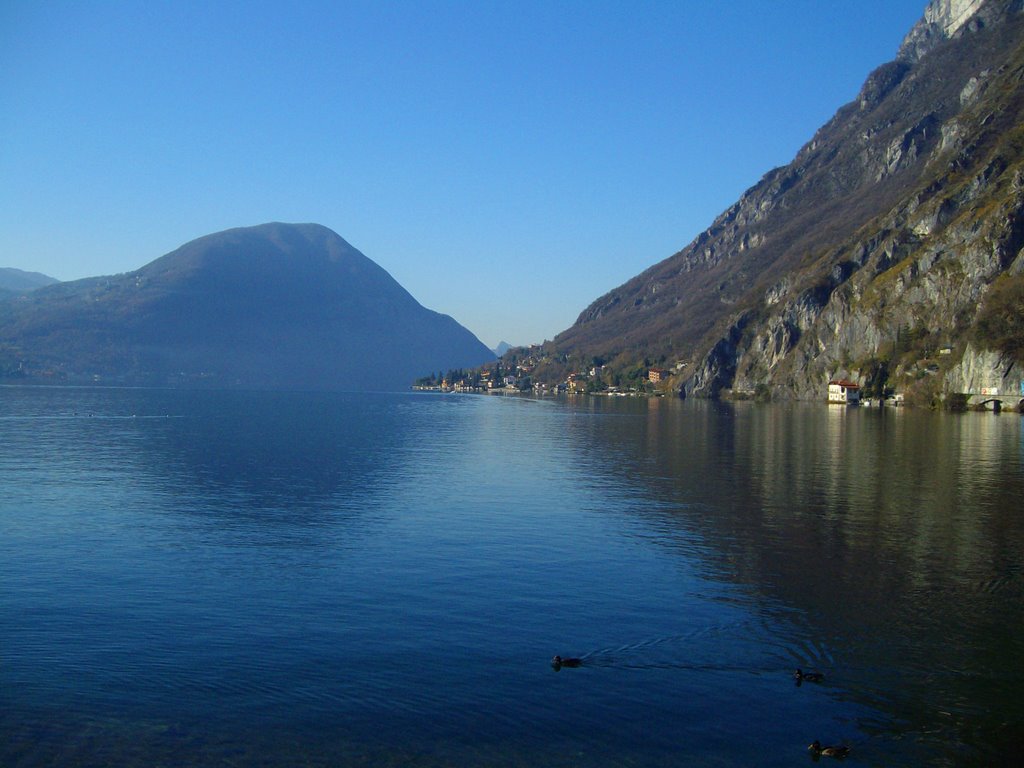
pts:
[558, 662]
[839, 750]
[810, 677]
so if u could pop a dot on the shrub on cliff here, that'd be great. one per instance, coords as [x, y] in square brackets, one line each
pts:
[1000, 322]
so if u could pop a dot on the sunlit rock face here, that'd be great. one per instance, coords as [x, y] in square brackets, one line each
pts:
[872, 250]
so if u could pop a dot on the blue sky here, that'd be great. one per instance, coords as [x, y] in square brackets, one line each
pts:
[506, 162]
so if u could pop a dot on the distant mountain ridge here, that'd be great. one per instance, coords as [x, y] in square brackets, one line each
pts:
[271, 306]
[18, 281]
[873, 250]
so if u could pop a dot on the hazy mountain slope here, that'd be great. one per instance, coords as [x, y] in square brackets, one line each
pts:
[17, 281]
[899, 212]
[278, 305]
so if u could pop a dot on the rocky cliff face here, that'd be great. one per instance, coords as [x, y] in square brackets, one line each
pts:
[869, 255]
[942, 19]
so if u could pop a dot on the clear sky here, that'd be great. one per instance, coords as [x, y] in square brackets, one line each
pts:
[506, 162]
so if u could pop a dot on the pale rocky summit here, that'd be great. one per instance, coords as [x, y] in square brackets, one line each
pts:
[942, 19]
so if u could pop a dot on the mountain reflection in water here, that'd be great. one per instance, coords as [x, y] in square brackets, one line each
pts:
[897, 537]
[272, 579]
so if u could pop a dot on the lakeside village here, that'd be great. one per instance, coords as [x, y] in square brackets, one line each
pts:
[498, 382]
[517, 377]
[486, 381]
[530, 373]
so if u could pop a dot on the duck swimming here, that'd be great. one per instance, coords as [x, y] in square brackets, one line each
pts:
[810, 677]
[558, 662]
[839, 750]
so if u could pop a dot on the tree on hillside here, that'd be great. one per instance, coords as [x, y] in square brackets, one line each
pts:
[1000, 322]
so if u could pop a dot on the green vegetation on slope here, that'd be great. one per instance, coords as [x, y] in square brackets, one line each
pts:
[1000, 323]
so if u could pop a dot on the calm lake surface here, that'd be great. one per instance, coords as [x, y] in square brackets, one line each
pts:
[257, 579]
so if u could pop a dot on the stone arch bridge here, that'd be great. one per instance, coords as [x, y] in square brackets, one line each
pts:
[995, 402]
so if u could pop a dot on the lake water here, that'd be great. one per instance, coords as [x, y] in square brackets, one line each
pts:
[260, 579]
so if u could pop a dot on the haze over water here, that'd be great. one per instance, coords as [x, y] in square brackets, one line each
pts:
[255, 579]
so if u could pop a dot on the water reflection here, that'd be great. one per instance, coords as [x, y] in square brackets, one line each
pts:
[363, 580]
[898, 537]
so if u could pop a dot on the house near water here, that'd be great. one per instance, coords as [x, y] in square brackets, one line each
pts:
[843, 392]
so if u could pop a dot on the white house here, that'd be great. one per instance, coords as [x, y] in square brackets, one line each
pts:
[843, 391]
